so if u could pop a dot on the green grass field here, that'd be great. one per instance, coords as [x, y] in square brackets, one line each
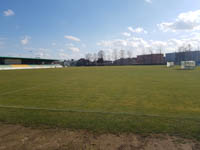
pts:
[138, 99]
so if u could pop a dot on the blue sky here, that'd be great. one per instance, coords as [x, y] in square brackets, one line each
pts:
[71, 28]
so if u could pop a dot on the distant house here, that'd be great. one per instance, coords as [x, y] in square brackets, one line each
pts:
[82, 62]
[108, 63]
[125, 61]
[151, 59]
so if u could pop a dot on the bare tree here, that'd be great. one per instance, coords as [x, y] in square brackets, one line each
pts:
[188, 53]
[122, 54]
[101, 54]
[108, 57]
[95, 57]
[189, 47]
[129, 54]
[160, 50]
[88, 56]
[150, 51]
[101, 57]
[180, 49]
[115, 54]
[143, 51]
[184, 48]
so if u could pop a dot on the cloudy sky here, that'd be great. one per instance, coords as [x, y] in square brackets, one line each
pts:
[71, 28]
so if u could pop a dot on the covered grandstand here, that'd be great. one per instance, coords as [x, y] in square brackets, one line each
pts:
[10, 63]
[29, 61]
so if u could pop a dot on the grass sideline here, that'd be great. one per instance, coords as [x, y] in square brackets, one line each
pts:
[153, 99]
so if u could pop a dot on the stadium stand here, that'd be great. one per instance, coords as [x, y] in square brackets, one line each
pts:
[12, 63]
[14, 67]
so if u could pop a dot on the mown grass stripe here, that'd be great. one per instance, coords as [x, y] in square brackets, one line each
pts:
[98, 112]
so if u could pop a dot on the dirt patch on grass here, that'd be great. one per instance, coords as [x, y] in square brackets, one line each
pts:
[16, 137]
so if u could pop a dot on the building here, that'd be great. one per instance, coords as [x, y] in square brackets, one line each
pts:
[170, 57]
[108, 63]
[29, 61]
[151, 59]
[177, 57]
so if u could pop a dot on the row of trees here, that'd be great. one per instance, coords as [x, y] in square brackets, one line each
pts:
[122, 57]
[119, 54]
[102, 58]
[114, 55]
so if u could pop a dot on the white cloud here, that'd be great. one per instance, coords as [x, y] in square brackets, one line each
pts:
[126, 34]
[63, 55]
[9, 12]
[141, 46]
[148, 1]
[137, 30]
[133, 44]
[25, 40]
[188, 21]
[73, 38]
[131, 29]
[74, 49]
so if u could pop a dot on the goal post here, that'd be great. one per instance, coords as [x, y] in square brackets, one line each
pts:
[170, 64]
[188, 65]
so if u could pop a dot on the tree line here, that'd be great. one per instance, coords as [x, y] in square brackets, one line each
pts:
[101, 58]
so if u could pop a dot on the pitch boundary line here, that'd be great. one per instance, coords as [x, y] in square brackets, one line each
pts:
[15, 91]
[98, 112]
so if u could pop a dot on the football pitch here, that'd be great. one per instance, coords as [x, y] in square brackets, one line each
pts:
[137, 99]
